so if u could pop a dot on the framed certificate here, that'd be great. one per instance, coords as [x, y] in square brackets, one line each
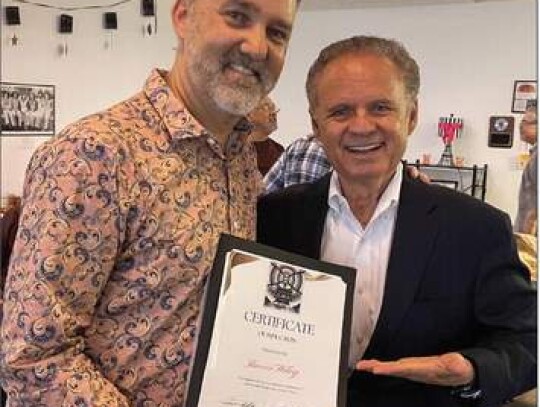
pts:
[524, 91]
[274, 332]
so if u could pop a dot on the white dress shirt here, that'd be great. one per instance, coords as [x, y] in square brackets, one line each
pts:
[346, 242]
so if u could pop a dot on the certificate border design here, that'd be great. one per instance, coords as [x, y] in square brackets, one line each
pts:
[208, 315]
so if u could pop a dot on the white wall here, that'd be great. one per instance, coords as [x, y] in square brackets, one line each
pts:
[90, 77]
[469, 55]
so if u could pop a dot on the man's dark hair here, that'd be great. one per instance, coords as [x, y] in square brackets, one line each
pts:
[391, 49]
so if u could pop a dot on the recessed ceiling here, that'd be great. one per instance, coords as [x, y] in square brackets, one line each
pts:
[352, 4]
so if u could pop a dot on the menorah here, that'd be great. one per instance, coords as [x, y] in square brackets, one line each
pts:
[449, 129]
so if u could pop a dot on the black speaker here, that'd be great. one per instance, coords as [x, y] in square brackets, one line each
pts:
[147, 8]
[110, 21]
[65, 25]
[12, 15]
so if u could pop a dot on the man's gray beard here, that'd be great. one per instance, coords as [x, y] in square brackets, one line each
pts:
[236, 101]
[238, 98]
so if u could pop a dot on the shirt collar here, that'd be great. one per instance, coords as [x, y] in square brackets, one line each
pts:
[388, 199]
[178, 121]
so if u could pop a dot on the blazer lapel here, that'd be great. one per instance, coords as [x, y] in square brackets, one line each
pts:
[314, 213]
[413, 239]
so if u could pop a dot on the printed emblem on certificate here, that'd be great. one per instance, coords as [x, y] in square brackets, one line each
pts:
[274, 331]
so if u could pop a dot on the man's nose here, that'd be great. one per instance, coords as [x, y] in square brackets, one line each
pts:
[255, 43]
[361, 122]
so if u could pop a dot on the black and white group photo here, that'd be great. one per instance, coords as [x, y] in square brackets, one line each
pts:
[27, 109]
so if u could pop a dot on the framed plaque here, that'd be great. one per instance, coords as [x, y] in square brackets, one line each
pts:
[524, 91]
[27, 109]
[274, 331]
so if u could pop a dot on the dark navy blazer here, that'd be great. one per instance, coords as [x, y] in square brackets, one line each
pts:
[454, 283]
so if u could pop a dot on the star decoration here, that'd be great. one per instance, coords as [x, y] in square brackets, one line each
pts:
[14, 40]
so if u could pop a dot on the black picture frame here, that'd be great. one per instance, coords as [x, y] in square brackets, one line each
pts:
[227, 243]
[524, 91]
[27, 109]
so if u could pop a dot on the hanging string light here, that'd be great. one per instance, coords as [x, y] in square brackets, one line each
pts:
[110, 24]
[148, 10]
[74, 8]
[13, 19]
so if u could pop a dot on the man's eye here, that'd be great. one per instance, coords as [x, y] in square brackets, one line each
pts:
[237, 18]
[278, 36]
[340, 112]
[381, 108]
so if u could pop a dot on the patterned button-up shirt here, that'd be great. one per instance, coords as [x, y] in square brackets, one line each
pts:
[122, 215]
[304, 160]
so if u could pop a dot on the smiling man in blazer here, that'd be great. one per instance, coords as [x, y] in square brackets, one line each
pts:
[444, 312]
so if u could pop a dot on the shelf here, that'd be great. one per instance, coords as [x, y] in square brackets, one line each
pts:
[469, 180]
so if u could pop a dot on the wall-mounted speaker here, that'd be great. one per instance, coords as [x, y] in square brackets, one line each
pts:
[12, 15]
[501, 131]
[110, 21]
[147, 8]
[65, 25]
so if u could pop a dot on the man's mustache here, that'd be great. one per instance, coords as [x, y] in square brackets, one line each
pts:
[259, 68]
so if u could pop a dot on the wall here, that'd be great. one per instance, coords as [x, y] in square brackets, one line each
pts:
[469, 54]
[91, 77]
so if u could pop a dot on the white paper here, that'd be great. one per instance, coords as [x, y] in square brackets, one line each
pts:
[264, 356]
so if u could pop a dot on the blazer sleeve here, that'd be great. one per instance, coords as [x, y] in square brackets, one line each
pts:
[268, 222]
[504, 356]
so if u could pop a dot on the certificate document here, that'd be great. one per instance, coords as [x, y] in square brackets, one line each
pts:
[274, 330]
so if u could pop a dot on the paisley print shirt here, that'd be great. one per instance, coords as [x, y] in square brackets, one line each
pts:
[122, 214]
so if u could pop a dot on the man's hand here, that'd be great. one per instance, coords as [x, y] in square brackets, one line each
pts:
[415, 173]
[450, 369]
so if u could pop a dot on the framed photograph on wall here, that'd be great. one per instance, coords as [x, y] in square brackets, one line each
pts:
[27, 109]
[523, 92]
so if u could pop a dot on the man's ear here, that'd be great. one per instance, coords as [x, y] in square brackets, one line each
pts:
[314, 125]
[413, 117]
[178, 15]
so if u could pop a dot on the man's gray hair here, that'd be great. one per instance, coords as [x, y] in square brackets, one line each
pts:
[189, 2]
[391, 49]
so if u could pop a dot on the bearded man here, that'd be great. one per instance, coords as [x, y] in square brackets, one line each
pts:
[122, 212]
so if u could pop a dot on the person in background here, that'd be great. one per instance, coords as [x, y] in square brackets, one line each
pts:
[9, 221]
[444, 312]
[122, 214]
[527, 216]
[264, 121]
[304, 160]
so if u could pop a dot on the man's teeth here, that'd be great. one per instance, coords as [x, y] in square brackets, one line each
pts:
[363, 149]
[242, 69]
